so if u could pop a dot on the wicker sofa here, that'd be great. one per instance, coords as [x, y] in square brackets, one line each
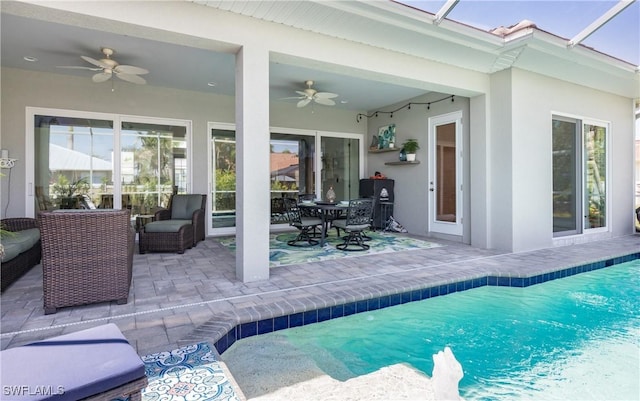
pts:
[21, 249]
[87, 257]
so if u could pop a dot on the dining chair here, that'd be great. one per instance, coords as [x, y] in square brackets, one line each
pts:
[357, 220]
[305, 225]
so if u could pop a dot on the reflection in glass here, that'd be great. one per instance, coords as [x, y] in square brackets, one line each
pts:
[223, 191]
[595, 175]
[446, 183]
[565, 185]
[73, 162]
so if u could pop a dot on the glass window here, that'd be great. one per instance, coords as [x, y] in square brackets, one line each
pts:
[579, 176]
[73, 163]
[77, 165]
[223, 191]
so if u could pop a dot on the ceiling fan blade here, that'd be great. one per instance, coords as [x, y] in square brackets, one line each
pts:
[325, 95]
[131, 78]
[303, 102]
[77, 67]
[101, 77]
[301, 93]
[293, 97]
[95, 62]
[326, 102]
[130, 69]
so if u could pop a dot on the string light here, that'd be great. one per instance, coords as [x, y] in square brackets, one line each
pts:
[360, 116]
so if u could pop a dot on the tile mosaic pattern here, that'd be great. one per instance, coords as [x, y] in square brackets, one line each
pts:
[281, 254]
[187, 373]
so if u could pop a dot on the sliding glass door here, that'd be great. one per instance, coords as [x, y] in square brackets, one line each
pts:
[294, 170]
[92, 160]
[579, 176]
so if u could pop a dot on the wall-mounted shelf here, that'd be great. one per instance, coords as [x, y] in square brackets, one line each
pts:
[400, 163]
[384, 150]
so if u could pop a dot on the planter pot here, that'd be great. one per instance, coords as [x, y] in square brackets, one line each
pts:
[411, 157]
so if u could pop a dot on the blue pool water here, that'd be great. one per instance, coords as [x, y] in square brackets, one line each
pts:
[567, 339]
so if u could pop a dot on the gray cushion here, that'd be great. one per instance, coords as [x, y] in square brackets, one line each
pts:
[24, 239]
[352, 227]
[10, 251]
[183, 206]
[83, 363]
[166, 226]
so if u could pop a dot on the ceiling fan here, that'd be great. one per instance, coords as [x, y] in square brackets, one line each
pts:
[108, 67]
[310, 94]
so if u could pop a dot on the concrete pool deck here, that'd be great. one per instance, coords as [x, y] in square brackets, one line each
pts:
[179, 300]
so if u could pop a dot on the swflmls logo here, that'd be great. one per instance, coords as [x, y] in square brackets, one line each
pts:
[22, 391]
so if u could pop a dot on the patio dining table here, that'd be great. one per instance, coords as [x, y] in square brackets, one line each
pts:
[328, 211]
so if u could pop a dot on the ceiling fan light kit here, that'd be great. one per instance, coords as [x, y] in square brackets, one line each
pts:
[109, 67]
[309, 94]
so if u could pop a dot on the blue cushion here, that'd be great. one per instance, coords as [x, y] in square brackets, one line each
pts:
[183, 206]
[81, 364]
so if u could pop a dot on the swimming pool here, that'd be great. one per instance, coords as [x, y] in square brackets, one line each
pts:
[575, 338]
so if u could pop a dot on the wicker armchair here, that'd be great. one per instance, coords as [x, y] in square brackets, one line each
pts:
[176, 228]
[87, 257]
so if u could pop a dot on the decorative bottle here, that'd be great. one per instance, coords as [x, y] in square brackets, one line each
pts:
[331, 194]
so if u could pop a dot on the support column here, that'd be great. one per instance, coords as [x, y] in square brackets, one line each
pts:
[252, 163]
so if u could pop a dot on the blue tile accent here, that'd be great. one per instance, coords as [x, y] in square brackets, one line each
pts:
[265, 326]
[373, 304]
[406, 297]
[310, 317]
[349, 309]
[337, 311]
[517, 282]
[443, 289]
[248, 329]
[324, 314]
[504, 281]
[299, 319]
[362, 306]
[281, 323]
[295, 320]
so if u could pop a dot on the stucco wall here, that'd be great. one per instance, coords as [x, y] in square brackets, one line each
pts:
[500, 162]
[535, 99]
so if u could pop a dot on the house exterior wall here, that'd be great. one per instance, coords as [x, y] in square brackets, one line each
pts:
[500, 162]
[522, 150]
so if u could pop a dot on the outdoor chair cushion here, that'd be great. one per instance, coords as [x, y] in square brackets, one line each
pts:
[19, 241]
[182, 206]
[165, 226]
[72, 366]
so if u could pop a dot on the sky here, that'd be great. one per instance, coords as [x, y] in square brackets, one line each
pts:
[619, 38]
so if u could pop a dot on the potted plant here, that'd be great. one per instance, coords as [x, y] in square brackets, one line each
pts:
[410, 147]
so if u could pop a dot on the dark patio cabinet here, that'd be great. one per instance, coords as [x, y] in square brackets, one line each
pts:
[382, 193]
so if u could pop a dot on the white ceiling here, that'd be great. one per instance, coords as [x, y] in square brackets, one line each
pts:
[174, 66]
[189, 64]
